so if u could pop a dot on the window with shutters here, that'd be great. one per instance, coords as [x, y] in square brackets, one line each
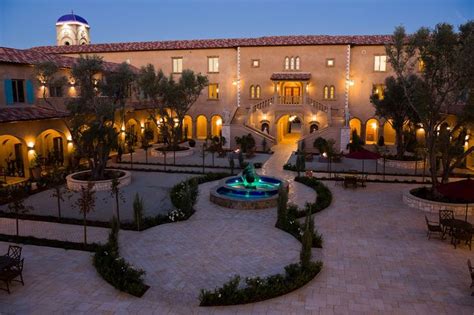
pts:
[177, 64]
[55, 91]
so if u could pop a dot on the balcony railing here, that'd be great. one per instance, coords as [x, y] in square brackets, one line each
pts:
[289, 100]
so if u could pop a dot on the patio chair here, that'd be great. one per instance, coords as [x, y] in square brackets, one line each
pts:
[445, 217]
[11, 274]
[433, 227]
[459, 235]
[471, 271]
[14, 252]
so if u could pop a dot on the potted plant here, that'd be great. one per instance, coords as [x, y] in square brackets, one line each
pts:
[35, 167]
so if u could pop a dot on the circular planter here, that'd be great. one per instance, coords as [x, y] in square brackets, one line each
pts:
[407, 165]
[434, 206]
[99, 185]
[182, 153]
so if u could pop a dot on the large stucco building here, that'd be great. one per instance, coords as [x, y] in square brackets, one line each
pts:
[277, 88]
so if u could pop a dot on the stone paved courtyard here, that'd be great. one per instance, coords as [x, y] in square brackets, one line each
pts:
[376, 257]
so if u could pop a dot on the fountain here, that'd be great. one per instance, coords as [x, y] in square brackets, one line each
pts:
[248, 191]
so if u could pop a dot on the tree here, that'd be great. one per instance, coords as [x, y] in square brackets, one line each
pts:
[138, 210]
[86, 204]
[171, 99]
[146, 138]
[300, 162]
[440, 89]
[116, 192]
[307, 242]
[130, 139]
[231, 163]
[46, 73]
[17, 206]
[394, 108]
[356, 143]
[93, 112]
[56, 180]
[282, 208]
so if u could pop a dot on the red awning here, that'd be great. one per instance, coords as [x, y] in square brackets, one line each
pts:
[462, 191]
[363, 155]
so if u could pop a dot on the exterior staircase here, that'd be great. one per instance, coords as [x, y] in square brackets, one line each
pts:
[332, 131]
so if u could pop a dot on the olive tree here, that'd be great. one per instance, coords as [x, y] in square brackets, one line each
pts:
[441, 87]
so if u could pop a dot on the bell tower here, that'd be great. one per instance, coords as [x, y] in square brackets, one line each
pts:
[72, 29]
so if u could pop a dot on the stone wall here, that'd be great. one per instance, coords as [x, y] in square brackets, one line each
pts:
[407, 165]
[434, 206]
[100, 185]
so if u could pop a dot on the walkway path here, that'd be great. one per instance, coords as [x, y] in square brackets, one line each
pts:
[376, 260]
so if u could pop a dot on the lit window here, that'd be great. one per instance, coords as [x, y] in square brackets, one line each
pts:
[252, 91]
[213, 64]
[326, 92]
[177, 65]
[257, 91]
[378, 90]
[380, 63]
[332, 92]
[292, 63]
[255, 63]
[297, 63]
[213, 91]
[287, 63]
[330, 62]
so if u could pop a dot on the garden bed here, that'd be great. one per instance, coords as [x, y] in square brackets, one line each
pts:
[421, 198]
[76, 181]
[172, 152]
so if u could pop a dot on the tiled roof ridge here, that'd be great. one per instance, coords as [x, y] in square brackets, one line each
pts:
[30, 56]
[284, 40]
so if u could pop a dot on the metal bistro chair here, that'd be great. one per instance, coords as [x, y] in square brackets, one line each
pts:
[462, 235]
[445, 217]
[12, 273]
[433, 227]
[14, 252]
[471, 271]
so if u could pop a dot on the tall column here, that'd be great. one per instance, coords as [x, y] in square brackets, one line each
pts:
[275, 92]
[305, 89]
[194, 128]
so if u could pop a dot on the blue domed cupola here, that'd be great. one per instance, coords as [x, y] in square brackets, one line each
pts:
[72, 18]
[72, 29]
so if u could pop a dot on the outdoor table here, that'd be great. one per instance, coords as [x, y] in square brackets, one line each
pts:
[350, 180]
[6, 262]
[457, 224]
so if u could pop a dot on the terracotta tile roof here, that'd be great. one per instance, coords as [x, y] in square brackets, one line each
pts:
[294, 40]
[11, 114]
[29, 57]
[290, 76]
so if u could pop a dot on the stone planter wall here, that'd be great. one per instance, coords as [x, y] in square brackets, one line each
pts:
[434, 206]
[407, 165]
[182, 153]
[100, 185]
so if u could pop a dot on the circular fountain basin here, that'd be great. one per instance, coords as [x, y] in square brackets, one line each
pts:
[233, 193]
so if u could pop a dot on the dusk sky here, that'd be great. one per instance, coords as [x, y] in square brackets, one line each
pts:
[28, 23]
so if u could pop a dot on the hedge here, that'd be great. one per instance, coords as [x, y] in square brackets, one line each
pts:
[259, 289]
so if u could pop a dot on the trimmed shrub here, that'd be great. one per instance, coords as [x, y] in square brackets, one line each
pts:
[259, 289]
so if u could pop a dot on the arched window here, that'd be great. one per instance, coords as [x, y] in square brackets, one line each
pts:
[292, 63]
[287, 63]
[326, 92]
[297, 63]
[332, 92]
[66, 43]
[257, 91]
[313, 128]
[252, 91]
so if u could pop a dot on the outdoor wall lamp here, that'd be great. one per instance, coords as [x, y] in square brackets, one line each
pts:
[31, 146]
[350, 82]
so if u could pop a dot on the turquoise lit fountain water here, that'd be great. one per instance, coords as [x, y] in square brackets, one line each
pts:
[247, 191]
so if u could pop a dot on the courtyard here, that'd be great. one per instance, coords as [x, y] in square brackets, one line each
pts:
[376, 259]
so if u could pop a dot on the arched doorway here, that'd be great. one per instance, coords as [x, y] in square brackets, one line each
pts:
[216, 125]
[265, 127]
[289, 128]
[355, 124]
[12, 155]
[388, 133]
[49, 147]
[188, 127]
[371, 131]
[313, 127]
[201, 127]
[132, 132]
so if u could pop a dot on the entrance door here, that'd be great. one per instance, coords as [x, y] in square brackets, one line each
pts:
[292, 95]
[58, 150]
